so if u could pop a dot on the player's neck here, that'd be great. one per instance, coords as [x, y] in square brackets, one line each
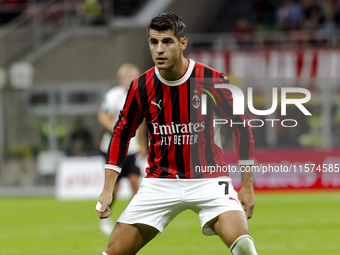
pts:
[177, 71]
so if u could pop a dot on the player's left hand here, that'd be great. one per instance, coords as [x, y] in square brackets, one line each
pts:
[247, 198]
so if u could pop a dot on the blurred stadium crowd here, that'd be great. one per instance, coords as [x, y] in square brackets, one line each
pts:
[282, 15]
[319, 20]
[301, 22]
[10, 9]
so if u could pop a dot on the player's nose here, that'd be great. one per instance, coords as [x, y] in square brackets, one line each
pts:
[160, 48]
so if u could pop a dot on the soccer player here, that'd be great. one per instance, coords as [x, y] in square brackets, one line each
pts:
[107, 116]
[177, 98]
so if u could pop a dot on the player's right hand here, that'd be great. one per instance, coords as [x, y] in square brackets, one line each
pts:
[103, 204]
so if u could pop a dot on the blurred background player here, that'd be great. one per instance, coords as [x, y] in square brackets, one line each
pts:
[107, 116]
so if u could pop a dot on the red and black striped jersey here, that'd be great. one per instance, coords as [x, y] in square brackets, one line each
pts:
[182, 136]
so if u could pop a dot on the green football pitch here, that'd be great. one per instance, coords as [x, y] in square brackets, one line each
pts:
[283, 223]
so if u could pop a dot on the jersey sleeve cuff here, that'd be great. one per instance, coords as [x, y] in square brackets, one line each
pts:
[246, 162]
[113, 168]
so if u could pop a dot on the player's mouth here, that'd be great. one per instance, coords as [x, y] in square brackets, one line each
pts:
[160, 60]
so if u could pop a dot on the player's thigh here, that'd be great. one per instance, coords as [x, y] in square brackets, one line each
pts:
[129, 239]
[230, 225]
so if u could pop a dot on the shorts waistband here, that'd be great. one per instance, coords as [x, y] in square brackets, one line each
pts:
[227, 178]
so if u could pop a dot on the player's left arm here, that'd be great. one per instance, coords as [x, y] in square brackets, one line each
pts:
[246, 194]
[244, 144]
[239, 124]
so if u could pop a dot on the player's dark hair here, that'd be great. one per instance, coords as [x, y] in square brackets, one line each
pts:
[168, 20]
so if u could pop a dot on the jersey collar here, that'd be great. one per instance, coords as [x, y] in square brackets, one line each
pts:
[181, 80]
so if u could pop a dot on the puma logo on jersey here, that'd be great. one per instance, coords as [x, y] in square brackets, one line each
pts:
[158, 105]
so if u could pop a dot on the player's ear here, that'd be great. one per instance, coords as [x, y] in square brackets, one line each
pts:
[184, 43]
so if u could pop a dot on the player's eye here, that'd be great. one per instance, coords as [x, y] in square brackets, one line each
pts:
[153, 42]
[167, 41]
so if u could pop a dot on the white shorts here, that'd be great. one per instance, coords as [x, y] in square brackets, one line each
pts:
[159, 201]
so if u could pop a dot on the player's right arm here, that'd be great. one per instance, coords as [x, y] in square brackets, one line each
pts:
[105, 198]
[130, 118]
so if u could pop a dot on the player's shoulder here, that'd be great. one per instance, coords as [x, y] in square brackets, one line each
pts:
[215, 73]
[199, 65]
[141, 80]
[149, 72]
